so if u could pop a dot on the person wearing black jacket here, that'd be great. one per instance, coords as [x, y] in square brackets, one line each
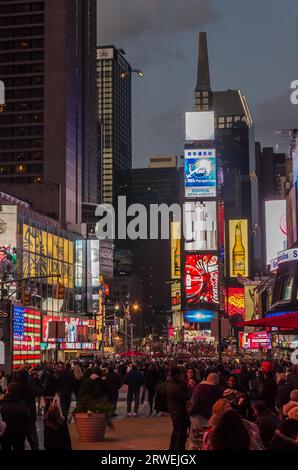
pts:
[112, 385]
[266, 421]
[29, 393]
[16, 415]
[66, 384]
[177, 396]
[268, 390]
[134, 379]
[286, 438]
[152, 378]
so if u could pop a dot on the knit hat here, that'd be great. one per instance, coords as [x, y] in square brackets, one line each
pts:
[266, 367]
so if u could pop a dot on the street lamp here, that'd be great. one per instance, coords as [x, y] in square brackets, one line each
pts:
[126, 308]
[125, 74]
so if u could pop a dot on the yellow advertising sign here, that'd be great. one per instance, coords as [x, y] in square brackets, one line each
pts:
[45, 254]
[249, 293]
[238, 247]
[175, 250]
[176, 296]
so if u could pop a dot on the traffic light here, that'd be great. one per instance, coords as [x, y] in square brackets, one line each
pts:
[26, 296]
[60, 291]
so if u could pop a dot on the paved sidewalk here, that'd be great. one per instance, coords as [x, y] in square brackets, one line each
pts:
[130, 434]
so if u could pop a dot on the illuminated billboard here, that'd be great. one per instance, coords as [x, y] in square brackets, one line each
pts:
[238, 247]
[292, 234]
[45, 253]
[199, 316]
[26, 336]
[276, 228]
[75, 331]
[176, 296]
[201, 279]
[200, 173]
[8, 240]
[236, 302]
[199, 125]
[200, 230]
[175, 250]
[255, 341]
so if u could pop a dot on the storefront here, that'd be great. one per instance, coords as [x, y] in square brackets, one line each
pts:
[65, 338]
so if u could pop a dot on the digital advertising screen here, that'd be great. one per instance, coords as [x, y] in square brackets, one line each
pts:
[26, 336]
[199, 125]
[199, 316]
[200, 173]
[235, 302]
[76, 330]
[276, 228]
[201, 279]
[200, 229]
[238, 248]
[176, 296]
[175, 250]
[256, 341]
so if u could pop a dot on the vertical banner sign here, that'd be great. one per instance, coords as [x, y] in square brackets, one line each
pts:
[5, 336]
[175, 250]
[238, 247]
[99, 314]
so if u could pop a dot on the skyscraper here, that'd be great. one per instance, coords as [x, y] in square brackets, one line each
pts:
[48, 133]
[235, 148]
[115, 116]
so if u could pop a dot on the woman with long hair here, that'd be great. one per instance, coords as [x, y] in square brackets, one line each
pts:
[230, 433]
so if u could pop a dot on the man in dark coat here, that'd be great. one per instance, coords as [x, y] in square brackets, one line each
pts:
[204, 396]
[152, 378]
[268, 390]
[16, 415]
[29, 393]
[177, 396]
[266, 421]
[65, 385]
[112, 384]
[134, 379]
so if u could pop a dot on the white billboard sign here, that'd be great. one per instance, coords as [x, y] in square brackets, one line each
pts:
[200, 231]
[276, 228]
[199, 126]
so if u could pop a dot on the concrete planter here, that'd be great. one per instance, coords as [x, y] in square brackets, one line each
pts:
[91, 426]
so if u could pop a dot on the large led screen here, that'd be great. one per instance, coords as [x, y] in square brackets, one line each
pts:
[175, 250]
[201, 279]
[200, 229]
[200, 173]
[199, 316]
[199, 125]
[276, 228]
[26, 336]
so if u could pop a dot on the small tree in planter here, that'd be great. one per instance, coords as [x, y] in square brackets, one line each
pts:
[92, 418]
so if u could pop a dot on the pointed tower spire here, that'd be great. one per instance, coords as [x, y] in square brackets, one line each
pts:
[203, 77]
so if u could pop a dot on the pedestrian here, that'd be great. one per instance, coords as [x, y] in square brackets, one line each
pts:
[78, 375]
[293, 403]
[151, 377]
[16, 416]
[3, 382]
[268, 390]
[177, 396]
[56, 433]
[66, 386]
[134, 379]
[286, 438]
[230, 433]
[283, 392]
[29, 393]
[112, 384]
[191, 379]
[266, 420]
[204, 395]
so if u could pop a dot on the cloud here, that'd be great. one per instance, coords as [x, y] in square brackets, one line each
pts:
[120, 20]
[276, 113]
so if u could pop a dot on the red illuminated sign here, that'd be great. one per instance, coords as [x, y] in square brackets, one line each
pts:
[201, 279]
[77, 330]
[235, 301]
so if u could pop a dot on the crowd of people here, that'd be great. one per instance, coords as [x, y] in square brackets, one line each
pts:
[231, 405]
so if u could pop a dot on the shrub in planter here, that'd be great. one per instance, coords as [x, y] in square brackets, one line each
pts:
[92, 418]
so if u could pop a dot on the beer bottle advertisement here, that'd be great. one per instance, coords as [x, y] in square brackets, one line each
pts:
[238, 234]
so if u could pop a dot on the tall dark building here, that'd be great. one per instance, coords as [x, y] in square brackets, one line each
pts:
[151, 260]
[48, 133]
[234, 146]
[115, 116]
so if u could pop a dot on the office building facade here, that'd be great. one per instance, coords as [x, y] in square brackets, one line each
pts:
[115, 116]
[49, 150]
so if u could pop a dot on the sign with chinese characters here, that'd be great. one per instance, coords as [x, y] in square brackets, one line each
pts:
[200, 173]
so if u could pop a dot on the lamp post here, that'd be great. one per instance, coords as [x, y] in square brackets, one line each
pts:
[127, 317]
